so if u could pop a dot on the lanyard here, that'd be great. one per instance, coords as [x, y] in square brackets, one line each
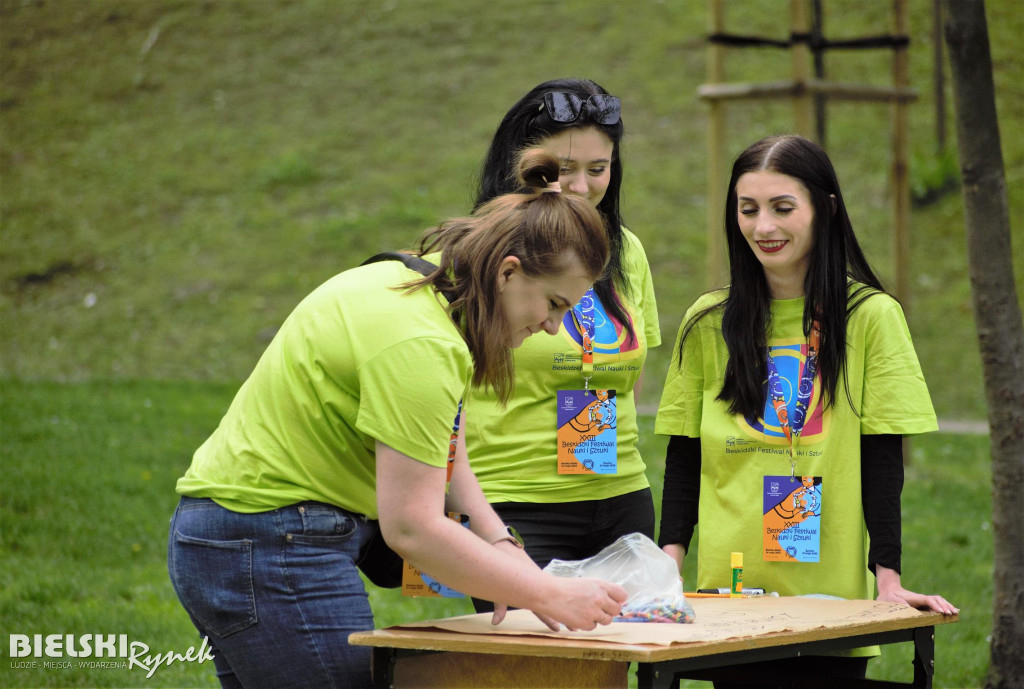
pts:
[583, 317]
[453, 442]
[803, 396]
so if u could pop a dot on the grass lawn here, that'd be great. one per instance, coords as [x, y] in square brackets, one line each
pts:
[177, 175]
[89, 487]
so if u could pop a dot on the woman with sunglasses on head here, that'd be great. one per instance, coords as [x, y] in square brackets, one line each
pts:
[787, 405]
[346, 420]
[571, 490]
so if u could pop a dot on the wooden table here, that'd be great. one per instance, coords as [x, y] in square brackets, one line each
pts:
[431, 658]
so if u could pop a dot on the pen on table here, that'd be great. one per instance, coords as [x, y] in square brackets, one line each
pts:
[725, 592]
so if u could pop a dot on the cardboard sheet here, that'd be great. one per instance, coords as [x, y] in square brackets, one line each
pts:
[716, 619]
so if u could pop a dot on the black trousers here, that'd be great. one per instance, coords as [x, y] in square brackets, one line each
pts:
[575, 530]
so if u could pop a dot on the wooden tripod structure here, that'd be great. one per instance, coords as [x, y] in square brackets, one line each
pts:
[806, 90]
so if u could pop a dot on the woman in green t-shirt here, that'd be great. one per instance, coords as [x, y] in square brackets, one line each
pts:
[788, 402]
[347, 419]
[571, 492]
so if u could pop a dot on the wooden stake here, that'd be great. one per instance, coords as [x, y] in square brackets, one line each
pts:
[717, 274]
[800, 52]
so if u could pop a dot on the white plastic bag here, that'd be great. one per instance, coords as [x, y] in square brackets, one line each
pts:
[649, 575]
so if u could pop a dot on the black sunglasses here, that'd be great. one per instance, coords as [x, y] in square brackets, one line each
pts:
[567, 107]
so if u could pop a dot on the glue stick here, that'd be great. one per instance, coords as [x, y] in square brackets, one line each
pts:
[737, 575]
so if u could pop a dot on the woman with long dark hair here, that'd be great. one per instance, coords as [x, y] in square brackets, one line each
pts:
[571, 493]
[788, 399]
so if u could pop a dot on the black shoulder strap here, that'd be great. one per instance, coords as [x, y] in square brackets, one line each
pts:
[416, 263]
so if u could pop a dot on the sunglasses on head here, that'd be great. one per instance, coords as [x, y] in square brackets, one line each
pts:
[567, 107]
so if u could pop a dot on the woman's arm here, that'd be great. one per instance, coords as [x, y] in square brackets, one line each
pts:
[680, 496]
[410, 505]
[466, 497]
[638, 386]
[881, 486]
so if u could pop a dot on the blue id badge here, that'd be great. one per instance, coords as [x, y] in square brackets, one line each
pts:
[587, 433]
[792, 519]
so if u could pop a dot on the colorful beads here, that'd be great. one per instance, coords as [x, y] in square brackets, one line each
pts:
[658, 612]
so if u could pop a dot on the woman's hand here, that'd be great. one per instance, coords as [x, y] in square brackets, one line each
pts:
[501, 609]
[890, 589]
[677, 552]
[583, 604]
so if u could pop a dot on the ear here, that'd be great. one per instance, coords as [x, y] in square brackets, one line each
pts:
[508, 266]
[835, 204]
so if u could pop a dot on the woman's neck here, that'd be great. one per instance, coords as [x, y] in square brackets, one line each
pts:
[790, 286]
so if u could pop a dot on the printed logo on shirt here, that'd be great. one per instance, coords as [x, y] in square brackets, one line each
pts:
[610, 336]
[734, 445]
[789, 360]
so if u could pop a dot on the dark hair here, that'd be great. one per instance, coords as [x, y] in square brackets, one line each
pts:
[526, 124]
[540, 228]
[835, 258]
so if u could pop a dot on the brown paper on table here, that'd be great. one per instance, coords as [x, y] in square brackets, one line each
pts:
[716, 619]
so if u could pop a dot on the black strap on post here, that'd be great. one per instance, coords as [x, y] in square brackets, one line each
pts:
[883, 41]
[740, 41]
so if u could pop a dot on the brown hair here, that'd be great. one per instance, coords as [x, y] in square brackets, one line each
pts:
[540, 228]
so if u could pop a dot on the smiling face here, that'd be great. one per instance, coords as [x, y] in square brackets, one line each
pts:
[776, 216]
[586, 157]
[532, 304]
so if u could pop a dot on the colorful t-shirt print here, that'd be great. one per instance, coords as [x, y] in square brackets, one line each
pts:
[610, 336]
[587, 432]
[792, 519]
[789, 360]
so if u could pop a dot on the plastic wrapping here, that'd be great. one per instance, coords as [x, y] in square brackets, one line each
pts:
[649, 575]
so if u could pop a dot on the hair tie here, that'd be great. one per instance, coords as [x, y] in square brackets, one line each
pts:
[552, 188]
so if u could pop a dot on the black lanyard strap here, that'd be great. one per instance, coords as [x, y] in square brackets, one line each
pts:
[421, 266]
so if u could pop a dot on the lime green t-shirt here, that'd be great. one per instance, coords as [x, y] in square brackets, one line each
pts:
[889, 395]
[355, 362]
[513, 450]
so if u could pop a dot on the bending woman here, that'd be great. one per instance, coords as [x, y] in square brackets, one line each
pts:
[570, 505]
[801, 472]
[346, 419]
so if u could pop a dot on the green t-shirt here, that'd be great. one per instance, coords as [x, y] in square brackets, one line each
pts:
[513, 450]
[889, 396]
[355, 362]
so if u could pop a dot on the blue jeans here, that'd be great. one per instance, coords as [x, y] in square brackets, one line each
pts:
[277, 592]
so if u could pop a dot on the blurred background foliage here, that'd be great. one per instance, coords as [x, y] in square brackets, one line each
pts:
[177, 175]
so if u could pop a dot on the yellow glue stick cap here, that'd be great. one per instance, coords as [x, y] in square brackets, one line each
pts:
[737, 560]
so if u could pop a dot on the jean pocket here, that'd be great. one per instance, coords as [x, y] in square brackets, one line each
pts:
[213, 579]
[324, 525]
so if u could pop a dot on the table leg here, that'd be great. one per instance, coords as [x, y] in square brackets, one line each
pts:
[650, 676]
[383, 668]
[924, 657]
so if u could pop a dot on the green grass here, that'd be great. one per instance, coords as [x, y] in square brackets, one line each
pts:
[89, 488]
[177, 175]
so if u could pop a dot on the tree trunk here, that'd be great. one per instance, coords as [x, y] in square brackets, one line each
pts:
[998, 318]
